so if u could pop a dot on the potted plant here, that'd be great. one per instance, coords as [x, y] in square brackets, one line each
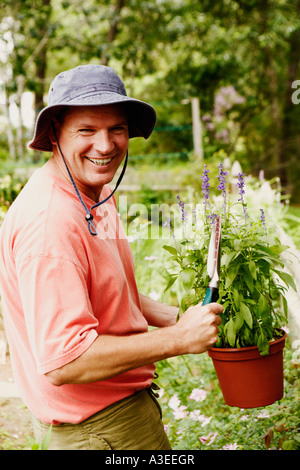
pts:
[248, 356]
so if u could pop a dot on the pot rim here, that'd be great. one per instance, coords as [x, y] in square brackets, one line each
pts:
[248, 348]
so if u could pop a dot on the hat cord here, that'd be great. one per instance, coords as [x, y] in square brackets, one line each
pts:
[89, 217]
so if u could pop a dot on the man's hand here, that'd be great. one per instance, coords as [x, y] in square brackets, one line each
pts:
[198, 327]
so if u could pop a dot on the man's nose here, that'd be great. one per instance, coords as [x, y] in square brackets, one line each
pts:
[103, 142]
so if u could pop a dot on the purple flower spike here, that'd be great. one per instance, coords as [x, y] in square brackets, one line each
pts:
[205, 184]
[240, 184]
[212, 217]
[205, 187]
[222, 186]
[181, 205]
[168, 225]
[263, 220]
[222, 179]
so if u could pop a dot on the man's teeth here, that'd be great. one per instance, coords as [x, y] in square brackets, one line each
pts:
[100, 162]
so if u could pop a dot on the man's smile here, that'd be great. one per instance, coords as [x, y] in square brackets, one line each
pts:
[100, 161]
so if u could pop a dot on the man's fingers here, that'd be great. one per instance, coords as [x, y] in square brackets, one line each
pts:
[213, 307]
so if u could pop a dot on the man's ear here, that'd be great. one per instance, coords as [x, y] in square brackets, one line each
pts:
[54, 131]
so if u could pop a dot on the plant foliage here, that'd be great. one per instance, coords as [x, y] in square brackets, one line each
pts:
[252, 277]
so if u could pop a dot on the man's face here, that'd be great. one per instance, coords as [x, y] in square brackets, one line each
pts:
[94, 141]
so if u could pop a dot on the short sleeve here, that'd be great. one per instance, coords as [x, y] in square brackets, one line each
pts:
[59, 319]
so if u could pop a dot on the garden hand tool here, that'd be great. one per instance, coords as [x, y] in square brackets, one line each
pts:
[213, 263]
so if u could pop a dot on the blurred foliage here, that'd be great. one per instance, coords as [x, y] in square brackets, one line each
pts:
[167, 52]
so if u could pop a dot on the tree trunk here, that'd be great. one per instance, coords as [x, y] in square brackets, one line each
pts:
[10, 135]
[113, 29]
[40, 58]
[20, 87]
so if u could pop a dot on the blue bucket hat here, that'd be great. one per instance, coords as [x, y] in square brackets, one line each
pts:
[91, 85]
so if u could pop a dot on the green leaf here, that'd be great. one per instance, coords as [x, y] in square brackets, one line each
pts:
[231, 275]
[231, 333]
[277, 249]
[245, 311]
[263, 345]
[46, 440]
[285, 306]
[249, 281]
[188, 277]
[264, 250]
[227, 257]
[263, 305]
[287, 279]
[237, 298]
[288, 445]
[171, 281]
[170, 249]
[252, 269]
[238, 321]
[237, 244]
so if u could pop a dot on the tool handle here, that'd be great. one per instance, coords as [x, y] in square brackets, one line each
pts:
[212, 295]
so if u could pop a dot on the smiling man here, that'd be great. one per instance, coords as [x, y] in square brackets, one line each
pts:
[82, 355]
[94, 141]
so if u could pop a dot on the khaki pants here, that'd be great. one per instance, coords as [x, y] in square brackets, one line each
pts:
[133, 423]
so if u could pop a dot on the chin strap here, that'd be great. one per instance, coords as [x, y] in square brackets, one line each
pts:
[89, 217]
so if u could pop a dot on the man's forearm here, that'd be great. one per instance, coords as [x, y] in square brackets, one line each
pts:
[108, 356]
[157, 313]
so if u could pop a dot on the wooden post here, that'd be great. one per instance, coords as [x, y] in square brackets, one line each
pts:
[197, 128]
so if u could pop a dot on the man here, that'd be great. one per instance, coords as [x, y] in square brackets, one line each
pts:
[82, 355]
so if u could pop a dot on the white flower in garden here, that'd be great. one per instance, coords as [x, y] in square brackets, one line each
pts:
[196, 416]
[174, 402]
[230, 446]
[198, 394]
[209, 439]
[204, 420]
[150, 258]
[180, 413]
[244, 418]
[263, 414]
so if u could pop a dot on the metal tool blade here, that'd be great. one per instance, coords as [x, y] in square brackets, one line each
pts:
[213, 263]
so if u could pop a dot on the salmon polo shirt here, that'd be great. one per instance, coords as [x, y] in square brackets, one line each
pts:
[61, 288]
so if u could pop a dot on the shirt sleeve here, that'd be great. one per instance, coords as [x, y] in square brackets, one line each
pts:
[58, 314]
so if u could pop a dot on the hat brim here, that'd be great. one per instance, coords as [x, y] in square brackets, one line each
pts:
[141, 117]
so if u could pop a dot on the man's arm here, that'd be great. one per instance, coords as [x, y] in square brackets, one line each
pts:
[108, 356]
[157, 313]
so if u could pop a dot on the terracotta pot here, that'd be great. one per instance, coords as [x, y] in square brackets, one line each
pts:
[247, 379]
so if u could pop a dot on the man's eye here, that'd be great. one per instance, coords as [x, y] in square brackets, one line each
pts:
[86, 131]
[119, 129]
